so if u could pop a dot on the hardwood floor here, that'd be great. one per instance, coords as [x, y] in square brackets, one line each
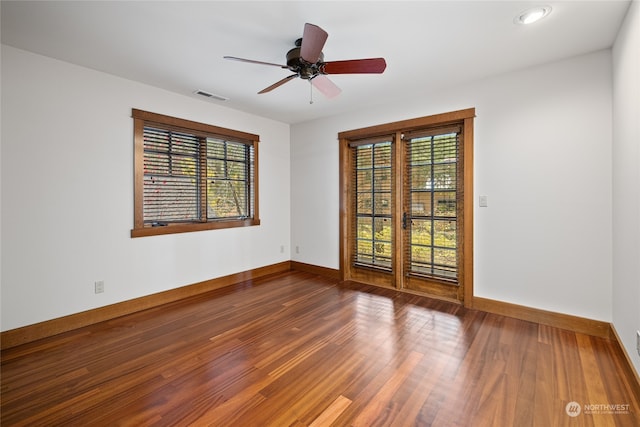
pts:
[296, 349]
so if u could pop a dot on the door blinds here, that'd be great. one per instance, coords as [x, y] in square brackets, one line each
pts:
[372, 183]
[433, 202]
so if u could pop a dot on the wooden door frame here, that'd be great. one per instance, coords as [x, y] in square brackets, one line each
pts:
[464, 117]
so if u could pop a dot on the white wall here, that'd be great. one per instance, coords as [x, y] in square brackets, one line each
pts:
[67, 193]
[626, 182]
[543, 158]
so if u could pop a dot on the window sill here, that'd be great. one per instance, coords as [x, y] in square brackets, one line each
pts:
[187, 228]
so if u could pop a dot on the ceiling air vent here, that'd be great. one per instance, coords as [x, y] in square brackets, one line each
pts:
[210, 95]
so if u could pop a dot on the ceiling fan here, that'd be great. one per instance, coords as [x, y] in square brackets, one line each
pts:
[306, 60]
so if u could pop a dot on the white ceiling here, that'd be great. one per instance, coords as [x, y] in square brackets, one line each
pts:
[428, 45]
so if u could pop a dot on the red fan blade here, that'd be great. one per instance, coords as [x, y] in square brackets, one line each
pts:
[354, 66]
[313, 39]
[277, 84]
[251, 61]
[325, 86]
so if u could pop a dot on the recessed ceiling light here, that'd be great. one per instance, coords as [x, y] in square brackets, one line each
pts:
[532, 15]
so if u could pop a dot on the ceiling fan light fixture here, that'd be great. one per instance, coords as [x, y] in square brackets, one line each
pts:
[532, 15]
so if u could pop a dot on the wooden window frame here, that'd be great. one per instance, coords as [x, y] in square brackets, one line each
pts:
[463, 117]
[140, 120]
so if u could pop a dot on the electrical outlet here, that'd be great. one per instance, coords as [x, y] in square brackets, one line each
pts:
[281, 249]
[638, 342]
[297, 249]
[99, 286]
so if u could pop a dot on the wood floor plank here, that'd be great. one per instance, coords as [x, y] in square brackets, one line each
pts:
[297, 349]
[376, 407]
[595, 391]
[328, 416]
[543, 385]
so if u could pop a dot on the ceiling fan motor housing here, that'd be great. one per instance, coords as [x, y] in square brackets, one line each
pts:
[298, 65]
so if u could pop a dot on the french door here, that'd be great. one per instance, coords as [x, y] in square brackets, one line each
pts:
[406, 205]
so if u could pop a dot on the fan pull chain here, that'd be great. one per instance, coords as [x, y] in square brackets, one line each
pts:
[310, 92]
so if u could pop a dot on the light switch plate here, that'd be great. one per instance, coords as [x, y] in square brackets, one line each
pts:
[484, 202]
[99, 286]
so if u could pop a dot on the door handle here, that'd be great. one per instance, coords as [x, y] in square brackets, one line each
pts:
[404, 221]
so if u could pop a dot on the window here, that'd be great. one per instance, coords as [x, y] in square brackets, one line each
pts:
[407, 212]
[192, 176]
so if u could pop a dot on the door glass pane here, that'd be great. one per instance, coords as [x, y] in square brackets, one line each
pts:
[445, 204]
[374, 204]
[364, 226]
[364, 180]
[445, 234]
[421, 177]
[364, 203]
[432, 167]
[444, 177]
[421, 204]
[421, 232]
[383, 204]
